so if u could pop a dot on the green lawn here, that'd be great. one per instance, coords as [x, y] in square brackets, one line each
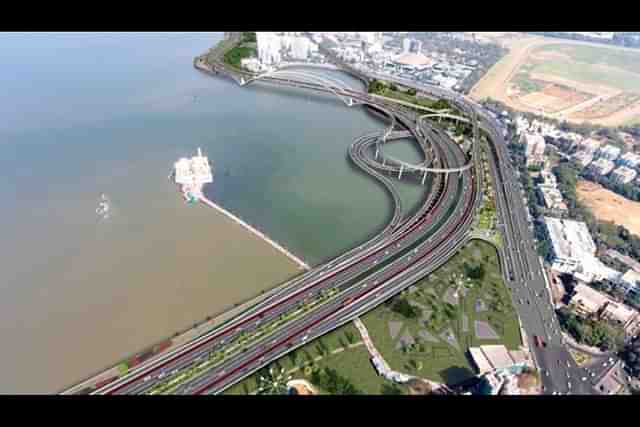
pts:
[583, 67]
[441, 361]
[352, 363]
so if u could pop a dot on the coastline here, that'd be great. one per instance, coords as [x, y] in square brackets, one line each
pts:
[113, 372]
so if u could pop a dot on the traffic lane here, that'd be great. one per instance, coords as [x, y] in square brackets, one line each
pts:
[407, 259]
[467, 220]
[382, 295]
[349, 275]
[282, 291]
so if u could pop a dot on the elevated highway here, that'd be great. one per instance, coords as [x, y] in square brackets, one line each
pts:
[363, 278]
[522, 267]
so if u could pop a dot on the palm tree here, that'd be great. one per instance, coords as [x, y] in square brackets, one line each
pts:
[273, 382]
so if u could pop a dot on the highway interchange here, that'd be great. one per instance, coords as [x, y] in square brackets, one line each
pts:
[403, 252]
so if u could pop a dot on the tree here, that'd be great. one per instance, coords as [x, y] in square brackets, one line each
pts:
[273, 381]
[390, 389]
[476, 272]
[402, 306]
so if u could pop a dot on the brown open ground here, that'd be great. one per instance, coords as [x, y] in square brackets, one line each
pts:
[609, 206]
[604, 109]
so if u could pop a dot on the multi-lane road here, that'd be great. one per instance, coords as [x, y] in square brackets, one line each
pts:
[404, 251]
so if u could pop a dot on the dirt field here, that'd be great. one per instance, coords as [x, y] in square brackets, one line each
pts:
[608, 206]
[598, 84]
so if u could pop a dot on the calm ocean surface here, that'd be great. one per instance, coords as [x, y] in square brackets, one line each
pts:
[91, 113]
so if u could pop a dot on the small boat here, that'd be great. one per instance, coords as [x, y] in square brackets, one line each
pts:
[103, 206]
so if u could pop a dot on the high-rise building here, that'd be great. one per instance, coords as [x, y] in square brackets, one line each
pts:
[406, 45]
[269, 45]
[534, 148]
[300, 48]
[415, 46]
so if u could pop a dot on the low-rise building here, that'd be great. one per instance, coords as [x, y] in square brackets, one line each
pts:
[588, 301]
[612, 382]
[609, 152]
[626, 317]
[629, 159]
[623, 175]
[588, 145]
[630, 281]
[584, 158]
[601, 166]
[491, 357]
[553, 200]
[571, 244]
[251, 64]
[625, 259]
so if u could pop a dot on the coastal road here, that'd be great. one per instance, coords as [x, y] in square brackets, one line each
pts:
[166, 368]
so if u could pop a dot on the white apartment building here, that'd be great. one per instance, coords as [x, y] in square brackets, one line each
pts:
[300, 48]
[269, 45]
[584, 158]
[601, 166]
[629, 159]
[609, 152]
[571, 244]
[406, 45]
[534, 148]
[623, 175]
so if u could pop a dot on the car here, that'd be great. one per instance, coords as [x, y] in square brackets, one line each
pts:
[611, 359]
[604, 363]
[569, 385]
[584, 378]
[592, 374]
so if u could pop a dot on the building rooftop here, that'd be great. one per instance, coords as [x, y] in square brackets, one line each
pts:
[490, 357]
[619, 312]
[627, 260]
[413, 59]
[588, 298]
[570, 239]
